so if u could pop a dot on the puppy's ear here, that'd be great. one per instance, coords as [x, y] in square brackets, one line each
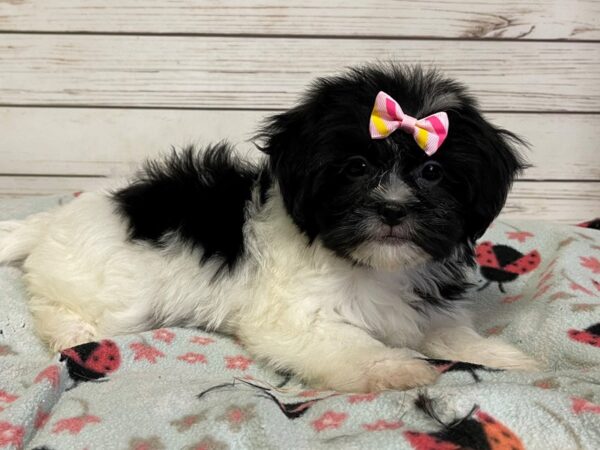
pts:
[287, 139]
[497, 164]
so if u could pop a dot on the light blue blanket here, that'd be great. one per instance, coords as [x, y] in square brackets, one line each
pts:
[185, 388]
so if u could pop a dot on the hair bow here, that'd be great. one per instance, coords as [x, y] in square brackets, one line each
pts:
[387, 117]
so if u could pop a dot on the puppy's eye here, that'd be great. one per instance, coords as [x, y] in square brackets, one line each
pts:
[431, 172]
[356, 167]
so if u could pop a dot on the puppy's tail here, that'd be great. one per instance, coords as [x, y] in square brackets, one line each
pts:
[19, 237]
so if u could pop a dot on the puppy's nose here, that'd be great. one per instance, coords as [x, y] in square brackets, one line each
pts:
[392, 214]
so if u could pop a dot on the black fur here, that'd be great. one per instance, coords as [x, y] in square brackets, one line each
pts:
[290, 410]
[203, 198]
[446, 293]
[452, 288]
[311, 145]
[200, 196]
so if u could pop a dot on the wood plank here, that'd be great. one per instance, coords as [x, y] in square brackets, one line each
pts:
[109, 142]
[528, 19]
[561, 146]
[21, 187]
[211, 72]
[565, 202]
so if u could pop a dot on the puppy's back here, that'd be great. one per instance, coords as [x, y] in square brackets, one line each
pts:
[199, 197]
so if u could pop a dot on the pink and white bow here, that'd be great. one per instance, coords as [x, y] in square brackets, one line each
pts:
[387, 117]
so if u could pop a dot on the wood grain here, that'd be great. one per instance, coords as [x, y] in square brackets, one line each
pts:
[108, 142]
[36, 186]
[514, 19]
[127, 79]
[211, 72]
[552, 201]
[570, 202]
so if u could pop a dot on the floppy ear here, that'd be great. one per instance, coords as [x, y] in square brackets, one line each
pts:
[495, 169]
[287, 139]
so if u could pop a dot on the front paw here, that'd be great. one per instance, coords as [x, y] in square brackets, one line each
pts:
[377, 370]
[498, 354]
[520, 362]
[401, 374]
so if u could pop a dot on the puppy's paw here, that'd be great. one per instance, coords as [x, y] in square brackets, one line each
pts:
[377, 370]
[399, 374]
[520, 362]
[76, 334]
[500, 355]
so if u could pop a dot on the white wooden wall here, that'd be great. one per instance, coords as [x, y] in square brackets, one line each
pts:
[88, 88]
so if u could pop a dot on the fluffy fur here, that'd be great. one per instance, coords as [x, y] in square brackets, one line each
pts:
[335, 258]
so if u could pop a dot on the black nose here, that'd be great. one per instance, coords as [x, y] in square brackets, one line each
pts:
[392, 214]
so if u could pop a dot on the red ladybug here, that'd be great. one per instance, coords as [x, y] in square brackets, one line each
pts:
[424, 441]
[502, 264]
[590, 335]
[92, 361]
[593, 224]
[481, 431]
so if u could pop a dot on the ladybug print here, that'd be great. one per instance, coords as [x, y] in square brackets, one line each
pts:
[590, 335]
[502, 264]
[424, 441]
[593, 224]
[92, 361]
[480, 431]
[498, 435]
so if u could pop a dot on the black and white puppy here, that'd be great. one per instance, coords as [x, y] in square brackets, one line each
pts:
[337, 258]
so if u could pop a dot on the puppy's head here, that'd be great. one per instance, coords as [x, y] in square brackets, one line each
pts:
[385, 203]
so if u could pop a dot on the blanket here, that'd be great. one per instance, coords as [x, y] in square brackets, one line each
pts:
[174, 388]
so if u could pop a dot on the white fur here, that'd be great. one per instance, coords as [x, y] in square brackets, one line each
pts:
[389, 256]
[393, 190]
[294, 305]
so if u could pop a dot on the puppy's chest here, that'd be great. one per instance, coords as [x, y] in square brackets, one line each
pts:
[385, 306]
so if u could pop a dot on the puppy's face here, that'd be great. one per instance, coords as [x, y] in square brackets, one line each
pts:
[385, 203]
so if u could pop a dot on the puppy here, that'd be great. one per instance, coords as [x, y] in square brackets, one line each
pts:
[337, 257]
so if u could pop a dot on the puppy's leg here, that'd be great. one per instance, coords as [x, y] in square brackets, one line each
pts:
[462, 343]
[59, 327]
[338, 356]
